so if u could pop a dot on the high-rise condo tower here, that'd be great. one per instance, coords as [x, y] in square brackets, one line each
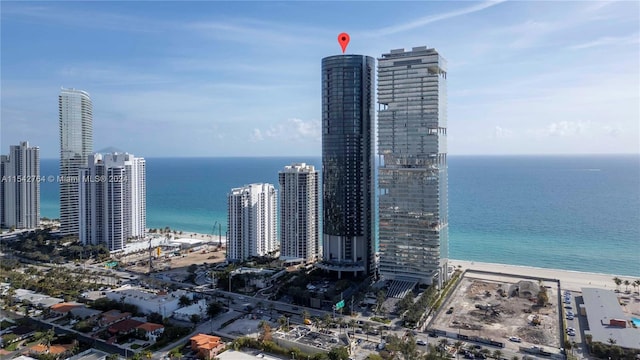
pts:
[299, 213]
[348, 109]
[412, 178]
[75, 116]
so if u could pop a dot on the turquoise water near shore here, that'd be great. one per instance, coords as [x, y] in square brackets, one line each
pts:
[571, 212]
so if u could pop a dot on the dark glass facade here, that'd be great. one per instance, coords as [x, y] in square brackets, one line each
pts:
[348, 163]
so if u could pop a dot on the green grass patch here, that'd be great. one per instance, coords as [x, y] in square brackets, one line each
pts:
[380, 320]
[6, 324]
[136, 346]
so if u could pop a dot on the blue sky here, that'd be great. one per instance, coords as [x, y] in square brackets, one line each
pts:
[243, 78]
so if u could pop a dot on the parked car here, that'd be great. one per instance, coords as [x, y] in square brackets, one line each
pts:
[421, 343]
[515, 339]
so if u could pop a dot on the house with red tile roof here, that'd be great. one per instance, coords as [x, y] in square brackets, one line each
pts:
[152, 331]
[207, 346]
[124, 327]
[64, 308]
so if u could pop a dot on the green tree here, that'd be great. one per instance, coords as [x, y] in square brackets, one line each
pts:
[195, 319]
[626, 285]
[366, 328]
[213, 309]
[380, 298]
[339, 353]
[497, 354]
[184, 301]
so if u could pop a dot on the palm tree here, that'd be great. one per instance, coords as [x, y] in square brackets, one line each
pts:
[305, 315]
[366, 327]
[612, 341]
[282, 320]
[353, 323]
[626, 284]
[381, 331]
[618, 281]
[636, 284]
[497, 354]
[457, 345]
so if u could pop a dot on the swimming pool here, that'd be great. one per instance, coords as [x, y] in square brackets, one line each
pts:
[635, 321]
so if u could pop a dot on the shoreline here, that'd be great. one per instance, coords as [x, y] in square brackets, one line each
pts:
[569, 279]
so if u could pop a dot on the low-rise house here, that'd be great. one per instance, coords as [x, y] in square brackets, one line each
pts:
[206, 346]
[151, 331]
[124, 327]
[91, 354]
[112, 316]
[64, 308]
[36, 299]
[147, 302]
[39, 349]
[84, 313]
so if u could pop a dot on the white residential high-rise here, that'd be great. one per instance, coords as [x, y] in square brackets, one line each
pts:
[20, 187]
[112, 200]
[75, 115]
[412, 178]
[251, 222]
[299, 213]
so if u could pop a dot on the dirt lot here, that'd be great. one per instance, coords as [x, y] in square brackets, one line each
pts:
[492, 309]
[178, 263]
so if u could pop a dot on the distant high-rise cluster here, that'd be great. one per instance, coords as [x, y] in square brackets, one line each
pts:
[112, 200]
[348, 133]
[299, 213]
[20, 187]
[102, 197]
[251, 222]
[75, 115]
[412, 178]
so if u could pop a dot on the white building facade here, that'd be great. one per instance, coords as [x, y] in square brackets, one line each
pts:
[75, 115]
[20, 187]
[299, 213]
[412, 180]
[112, 200]
[251, 222]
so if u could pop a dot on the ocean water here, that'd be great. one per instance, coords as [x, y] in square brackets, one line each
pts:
[572, 212]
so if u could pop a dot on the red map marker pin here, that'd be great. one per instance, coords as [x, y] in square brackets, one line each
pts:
[343, 39]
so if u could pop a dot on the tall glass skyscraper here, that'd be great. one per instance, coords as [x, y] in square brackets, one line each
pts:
[412, 178]
[75, 115]
[348, 164]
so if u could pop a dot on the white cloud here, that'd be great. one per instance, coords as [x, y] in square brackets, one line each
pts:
[566, 128]
[389, 30]
[609, 40]
[256, 135]
[502, 133]
[296, 130]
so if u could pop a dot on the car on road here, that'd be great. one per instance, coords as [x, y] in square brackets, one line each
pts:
[421, 343]
[571, 333]
[515, 339]
[570, 317]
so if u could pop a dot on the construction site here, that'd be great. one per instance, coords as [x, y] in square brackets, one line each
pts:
[502, 309]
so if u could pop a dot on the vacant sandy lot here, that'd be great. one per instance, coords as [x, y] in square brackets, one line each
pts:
[492, 309]
[181, 263]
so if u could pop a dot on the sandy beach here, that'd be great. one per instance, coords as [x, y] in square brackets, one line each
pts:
[571, 280]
